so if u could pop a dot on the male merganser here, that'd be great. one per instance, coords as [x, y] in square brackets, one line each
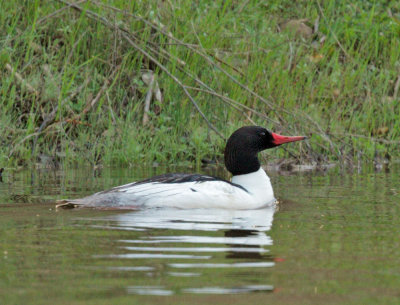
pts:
[250, 187]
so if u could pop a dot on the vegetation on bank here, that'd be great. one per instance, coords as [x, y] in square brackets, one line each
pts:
[123, 82]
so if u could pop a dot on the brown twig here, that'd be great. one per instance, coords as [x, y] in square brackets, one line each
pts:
[242, 6]
[57, 12]
[103, 88]
[225, 63]
[20, 142]
[230, 102]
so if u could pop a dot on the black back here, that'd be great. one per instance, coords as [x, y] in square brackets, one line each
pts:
[176, 178]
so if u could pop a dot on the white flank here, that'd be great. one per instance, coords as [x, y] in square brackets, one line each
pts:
[206, 194]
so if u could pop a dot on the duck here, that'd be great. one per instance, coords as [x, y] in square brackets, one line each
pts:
[250, 187]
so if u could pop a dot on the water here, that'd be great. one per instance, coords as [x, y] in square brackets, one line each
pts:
[334, 239]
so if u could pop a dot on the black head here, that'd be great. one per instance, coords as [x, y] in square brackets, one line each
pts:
[245, 143]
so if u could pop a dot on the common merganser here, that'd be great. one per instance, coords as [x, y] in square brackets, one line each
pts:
[250, 187]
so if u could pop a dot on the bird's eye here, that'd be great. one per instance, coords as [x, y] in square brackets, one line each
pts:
[262, 134]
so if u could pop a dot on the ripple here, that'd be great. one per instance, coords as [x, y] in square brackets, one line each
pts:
[199, 249]
[162, 291]
[192, 245]
[220, 290]
[130, 268]
[224, 265]
[196, 219]
[148, 290]
[152, 255]
[259, 240]
[184, 274]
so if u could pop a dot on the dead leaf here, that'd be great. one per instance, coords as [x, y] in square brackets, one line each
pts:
[381, 131]
[298, 27]
[154, 91]
[148, 78]
[336, 92]
[157, 92]
[316, 58]
[388, 100]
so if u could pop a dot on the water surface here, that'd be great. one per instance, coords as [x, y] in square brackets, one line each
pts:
[332, 239]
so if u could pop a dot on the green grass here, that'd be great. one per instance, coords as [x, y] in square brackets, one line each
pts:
[340, 84]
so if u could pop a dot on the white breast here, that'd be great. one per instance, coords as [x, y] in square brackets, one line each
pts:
[258, 184]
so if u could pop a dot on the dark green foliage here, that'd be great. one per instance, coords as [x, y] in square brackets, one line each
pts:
[73, 88]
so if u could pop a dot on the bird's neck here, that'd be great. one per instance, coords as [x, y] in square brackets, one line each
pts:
[241, 164]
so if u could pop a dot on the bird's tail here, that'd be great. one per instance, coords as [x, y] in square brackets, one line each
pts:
[69, 203]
